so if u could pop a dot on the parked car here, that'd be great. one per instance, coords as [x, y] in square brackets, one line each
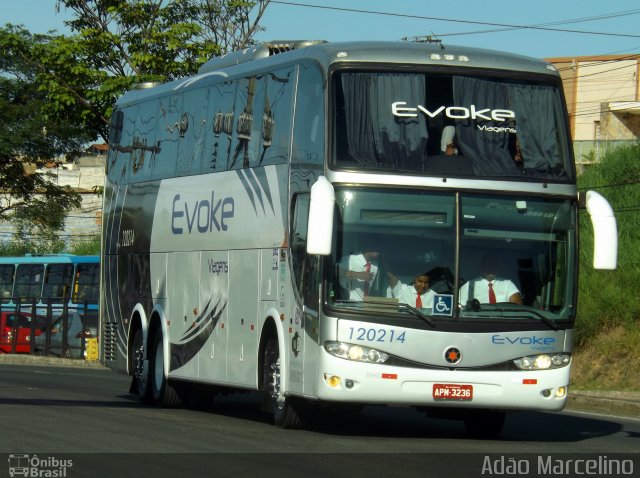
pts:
[17, 326]
[78, 328]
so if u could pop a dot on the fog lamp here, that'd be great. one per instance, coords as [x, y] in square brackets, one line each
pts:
[561, 392]
[332, 380]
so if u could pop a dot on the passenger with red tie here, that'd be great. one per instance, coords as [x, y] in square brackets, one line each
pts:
[417, 295]
[489, 288]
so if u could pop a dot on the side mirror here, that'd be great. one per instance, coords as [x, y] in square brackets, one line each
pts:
[605, 230]
[320, 226]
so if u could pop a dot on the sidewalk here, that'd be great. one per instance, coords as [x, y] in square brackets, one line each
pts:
[621, 404]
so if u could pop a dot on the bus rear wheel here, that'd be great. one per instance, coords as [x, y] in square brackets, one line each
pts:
[162, 390]
[140, 380]
[285, 412]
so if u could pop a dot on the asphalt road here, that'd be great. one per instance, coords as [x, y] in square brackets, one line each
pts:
[88, 415]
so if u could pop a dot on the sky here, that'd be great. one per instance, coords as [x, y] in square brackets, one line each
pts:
[612, 25]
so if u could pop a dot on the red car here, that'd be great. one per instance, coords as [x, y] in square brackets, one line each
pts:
[8, 327]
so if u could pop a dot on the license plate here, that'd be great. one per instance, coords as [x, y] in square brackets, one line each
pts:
[448, 391]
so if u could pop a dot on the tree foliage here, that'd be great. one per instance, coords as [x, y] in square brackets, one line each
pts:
[28, 138]
[57, 91]
[118, 43]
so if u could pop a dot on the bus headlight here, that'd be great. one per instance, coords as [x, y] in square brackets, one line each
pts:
[543, 361]
[355, 352]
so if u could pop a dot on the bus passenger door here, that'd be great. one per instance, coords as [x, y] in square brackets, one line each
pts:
[306, 279]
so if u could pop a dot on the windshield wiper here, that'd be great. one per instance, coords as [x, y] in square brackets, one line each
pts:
[475, 306]
[382, 304]
[551, 323]
[419, 314]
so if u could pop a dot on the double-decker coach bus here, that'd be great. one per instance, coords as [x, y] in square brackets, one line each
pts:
[266, 219]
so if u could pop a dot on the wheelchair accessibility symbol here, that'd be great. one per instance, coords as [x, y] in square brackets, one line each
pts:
[442, 304]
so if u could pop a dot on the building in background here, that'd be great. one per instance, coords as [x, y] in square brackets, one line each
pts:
[85, 176]
[603, 98]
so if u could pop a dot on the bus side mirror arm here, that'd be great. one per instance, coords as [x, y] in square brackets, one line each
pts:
[320, 226]
[605, 230]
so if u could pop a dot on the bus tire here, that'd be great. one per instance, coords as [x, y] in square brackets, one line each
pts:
[485, 424]
[140, 374]
[163, 392]
[285, 413]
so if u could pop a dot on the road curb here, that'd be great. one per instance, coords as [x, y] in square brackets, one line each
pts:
[25, 359]
[623, 404]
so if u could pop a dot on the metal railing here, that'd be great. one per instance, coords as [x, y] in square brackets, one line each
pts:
[47, 326]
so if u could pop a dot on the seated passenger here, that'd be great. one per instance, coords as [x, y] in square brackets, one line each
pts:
[417, 295]
[449, 161]
[357, 273]
[488, 288]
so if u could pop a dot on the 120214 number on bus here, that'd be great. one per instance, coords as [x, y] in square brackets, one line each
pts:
[376, 335]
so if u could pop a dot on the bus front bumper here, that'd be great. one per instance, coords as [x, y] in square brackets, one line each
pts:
[356, 382]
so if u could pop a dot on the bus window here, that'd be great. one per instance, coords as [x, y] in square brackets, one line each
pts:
[221, 99]
[145, 152]
[248, 111]
[120, 162]
[299, 239]
[276, 122]
[167, 135]
[57, 281]
[6, 282]
[308, 137]
[87, 284]
[193, 128]
[29, 279]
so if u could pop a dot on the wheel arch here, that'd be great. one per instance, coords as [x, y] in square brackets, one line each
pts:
[137, 321]
[149, 327]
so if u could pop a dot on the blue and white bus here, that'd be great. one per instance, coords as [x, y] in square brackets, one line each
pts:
[239, 202]
[49, 287]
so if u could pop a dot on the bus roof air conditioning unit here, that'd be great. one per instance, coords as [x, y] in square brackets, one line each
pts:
[263, 50]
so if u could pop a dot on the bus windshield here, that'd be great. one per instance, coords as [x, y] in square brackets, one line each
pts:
[388, 242]
[438, 124]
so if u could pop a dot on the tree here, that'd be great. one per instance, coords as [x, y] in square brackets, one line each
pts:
[119, 43]
[28, 138]
[57, 92]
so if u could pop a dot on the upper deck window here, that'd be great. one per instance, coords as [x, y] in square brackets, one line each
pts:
[450, 125]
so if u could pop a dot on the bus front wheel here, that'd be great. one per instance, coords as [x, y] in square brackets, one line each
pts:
[285, 414]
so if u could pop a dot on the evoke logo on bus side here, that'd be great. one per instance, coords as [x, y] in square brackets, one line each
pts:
[206, 215]
[454, 112]
[533, 340]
